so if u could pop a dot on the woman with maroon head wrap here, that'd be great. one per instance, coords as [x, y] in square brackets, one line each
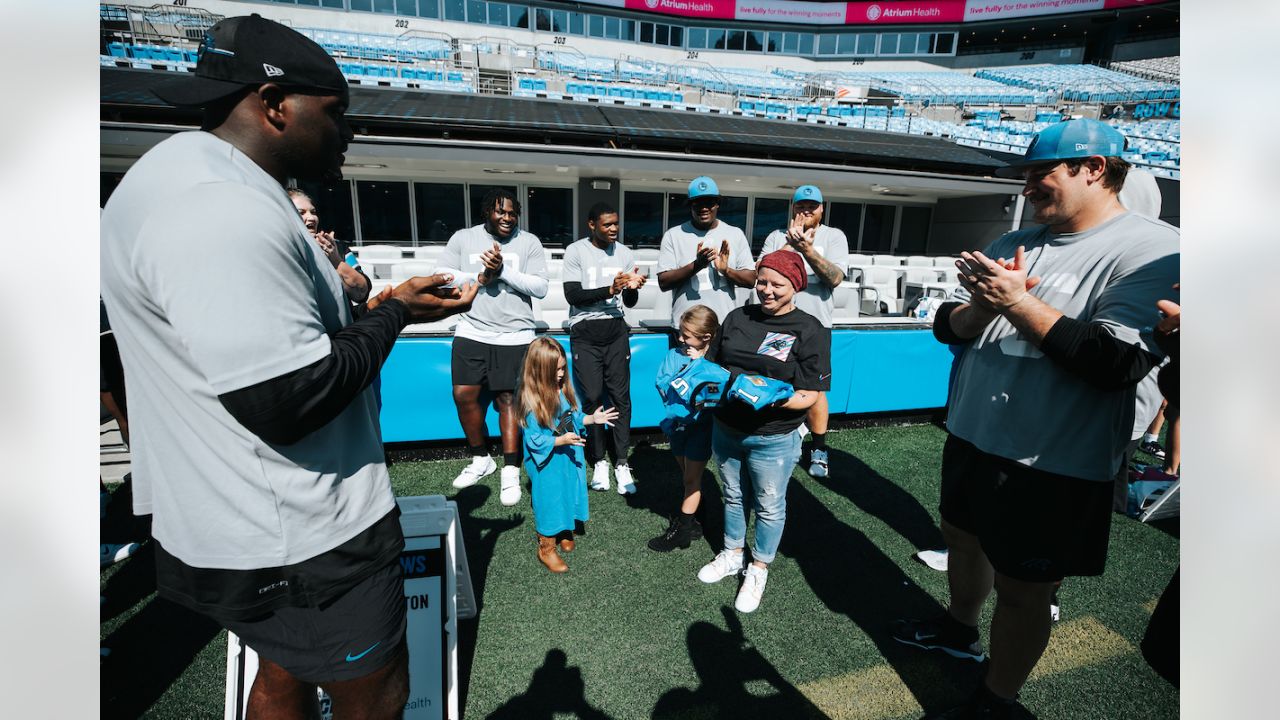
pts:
[757, 450]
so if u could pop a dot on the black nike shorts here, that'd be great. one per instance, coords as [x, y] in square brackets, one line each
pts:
[351, 636]
[1033, 525]
[496, 367]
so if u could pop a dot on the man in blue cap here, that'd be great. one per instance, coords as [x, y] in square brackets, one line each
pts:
[705, 261]
[826, 259]
[1057, 323]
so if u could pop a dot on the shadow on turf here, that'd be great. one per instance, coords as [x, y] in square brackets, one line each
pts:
[726, 661]
[481, 537]
[853, 577]
[660, 488]
[876, 495]
[556, 688]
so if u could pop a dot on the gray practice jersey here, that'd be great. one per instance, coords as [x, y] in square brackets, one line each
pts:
[504, 306]
[706, 287]
[832, 245]
[595, 268]
[1010, 400]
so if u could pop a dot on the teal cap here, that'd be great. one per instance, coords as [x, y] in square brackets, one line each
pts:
[703, 186]
[807, 192]
[1079, 138]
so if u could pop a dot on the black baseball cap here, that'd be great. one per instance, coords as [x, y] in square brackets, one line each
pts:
[250, 50]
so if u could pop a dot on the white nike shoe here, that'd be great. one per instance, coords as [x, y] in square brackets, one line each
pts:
[622, 475]
[722, 566]
[510, 493]
[112, 553]
[600, 476]
[752, 589]
[480, 466]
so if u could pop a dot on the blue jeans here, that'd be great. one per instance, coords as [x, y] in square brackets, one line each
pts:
[757, 467]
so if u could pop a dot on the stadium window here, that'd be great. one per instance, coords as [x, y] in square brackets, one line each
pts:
[384, 6]
[877, 228]
[441, 211]
[406, 7]
[542, 19]
[677, 36]
[426, 8]
[848, 45]
[453, 10]
[775, 43]
[697, 38]
[365, 5]
[333, 204]
[733, 210]
[477, 12]
[715, 38]
[806, 43]
[913, 231]
[497, 14]
[313, 3]
[661, 34]
[866, 44]
[384, 211]
[826, 44]
[334, 4]
[611, 29]
[769, 214]
[575, 23]
[889, 44]
[737, 40]
[907, 44]
[550, 215]
[642, 223]
[477, 196]
[848, 218]
[790, 43]
[755, 41]
[559, 21]
[595, 26]
[628, 29]
[946, 43]
[646, 32]
[519, 16]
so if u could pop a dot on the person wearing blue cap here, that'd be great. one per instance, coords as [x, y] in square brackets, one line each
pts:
[1057, 322]
[825, 251]
[705, 261]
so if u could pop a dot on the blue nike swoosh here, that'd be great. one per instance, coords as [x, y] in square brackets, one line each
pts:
[353, 658]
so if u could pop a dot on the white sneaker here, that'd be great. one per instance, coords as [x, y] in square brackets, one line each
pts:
[510, 493]
[600, 476]
[480, 466]
[936, 559]
[727, 563]
[622, 475]
[752, 589]
[111, 553]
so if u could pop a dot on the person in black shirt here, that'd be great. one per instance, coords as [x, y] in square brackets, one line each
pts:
[757, 450]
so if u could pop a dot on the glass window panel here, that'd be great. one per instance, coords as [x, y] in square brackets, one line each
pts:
[848, 45]
[770, 214]
[477, 12]
[907, 43]
[642, 224]
[559, 21]
[542, 18]
[945, 44]
[406, 7]
[646, 32]
[384, 211]
[913, 231]
[826, 44]
[366, 5]
[333, 207]
[575, 23]
[755, 40]
[550, 214]
[661, 34]
[453, 10]
[848, 218]
[441, 211]
[697, 38]
[715, 38]
[477, 196]
[335, 4]
[866, 44]
[611, 28]
[790, 43]
[426, 8]
[313, 3]
[677, 36]
[733, 210]
[497, 13]
[518, 16]
[628, 29]
[596, 26]
[877, 228]
[889, 44]
[384, 6]
[737, 40]
[775, 42]
[806, 44]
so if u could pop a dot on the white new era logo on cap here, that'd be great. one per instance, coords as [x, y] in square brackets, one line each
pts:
[272, 70]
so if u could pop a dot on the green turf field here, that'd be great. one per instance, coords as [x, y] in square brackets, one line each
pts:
[629, 633]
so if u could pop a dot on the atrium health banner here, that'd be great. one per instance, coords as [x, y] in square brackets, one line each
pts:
[889, 12]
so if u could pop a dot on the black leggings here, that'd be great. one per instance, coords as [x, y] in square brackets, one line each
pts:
[602, 376]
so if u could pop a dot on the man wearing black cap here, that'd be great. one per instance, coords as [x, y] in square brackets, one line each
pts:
[258, 450]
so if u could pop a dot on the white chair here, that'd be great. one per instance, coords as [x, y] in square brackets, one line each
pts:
[555, 272]
[552, 311]
[859, 259]
[428, 252]
[378, 259]
[412, 268]
[919, 261]
[886, 260]
[945, 261]
[885, 284]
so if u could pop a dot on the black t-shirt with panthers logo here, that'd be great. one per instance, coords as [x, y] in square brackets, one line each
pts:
[794, 348]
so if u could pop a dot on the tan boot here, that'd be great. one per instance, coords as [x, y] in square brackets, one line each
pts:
[548, 555]
[566, 542]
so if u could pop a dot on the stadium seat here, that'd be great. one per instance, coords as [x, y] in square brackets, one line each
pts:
[412, 268]
[919, 261]
[886, 260]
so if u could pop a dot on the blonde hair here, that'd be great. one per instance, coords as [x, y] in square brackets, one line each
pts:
[539, 393]
[294, 192]
[701, 319]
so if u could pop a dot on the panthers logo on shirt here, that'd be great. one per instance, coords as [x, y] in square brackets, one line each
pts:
[777, 345]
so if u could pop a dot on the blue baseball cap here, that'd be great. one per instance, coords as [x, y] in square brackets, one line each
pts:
[807, 192]
[703, 186]
[1079, 138]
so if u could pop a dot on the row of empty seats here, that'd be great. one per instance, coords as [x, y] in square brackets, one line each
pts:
[1087, 83]
[1168, 69]
[941, 87]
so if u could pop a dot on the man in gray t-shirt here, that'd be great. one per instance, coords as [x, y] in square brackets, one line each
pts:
[1057, 325]
[825, 251]
[705, 261]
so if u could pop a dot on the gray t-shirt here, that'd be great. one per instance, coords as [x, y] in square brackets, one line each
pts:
[505, 306]
[706, 287]
[213, 285]
[1009, 400]
[595, 268]
[832, 245]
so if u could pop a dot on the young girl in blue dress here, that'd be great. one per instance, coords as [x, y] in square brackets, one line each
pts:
[553, 440]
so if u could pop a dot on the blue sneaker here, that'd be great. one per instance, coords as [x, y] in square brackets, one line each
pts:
[818, 463]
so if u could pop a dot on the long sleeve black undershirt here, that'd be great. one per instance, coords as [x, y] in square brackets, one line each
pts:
[287, 408]
[942, 325]
[575, 295]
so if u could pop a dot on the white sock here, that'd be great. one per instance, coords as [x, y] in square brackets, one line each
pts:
[1148, 437]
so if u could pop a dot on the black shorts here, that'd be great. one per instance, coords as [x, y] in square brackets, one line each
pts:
[355, 634]
[1033, 525]
[496, 367]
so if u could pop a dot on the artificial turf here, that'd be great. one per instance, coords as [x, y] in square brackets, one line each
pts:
[631, 633]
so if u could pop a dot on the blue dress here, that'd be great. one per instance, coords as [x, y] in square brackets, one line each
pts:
[558, 474]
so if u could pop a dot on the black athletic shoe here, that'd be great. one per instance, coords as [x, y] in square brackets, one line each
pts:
[677, 535]
[941, 633]
[695, 530]
[1152, 448]
[984, 706]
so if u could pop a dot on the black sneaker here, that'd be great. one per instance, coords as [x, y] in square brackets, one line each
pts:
[677, 535]
[695, 530]
[941, 633]
[1152, 448]
[984, 706]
